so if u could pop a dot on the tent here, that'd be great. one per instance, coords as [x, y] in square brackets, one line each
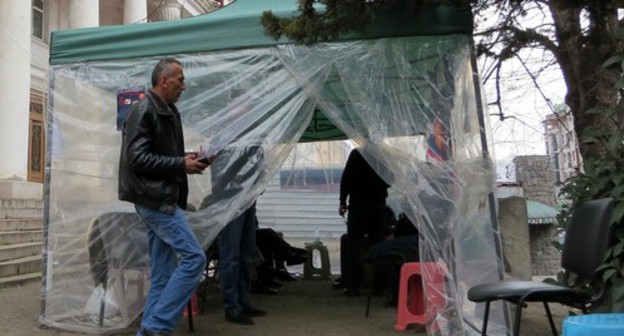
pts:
[406, 91]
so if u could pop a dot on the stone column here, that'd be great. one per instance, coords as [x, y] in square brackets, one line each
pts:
[170, 10]
[84, 13]
[14, 88]
[135, 11]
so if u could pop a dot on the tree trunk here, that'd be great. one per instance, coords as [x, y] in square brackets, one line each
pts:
[581, 54]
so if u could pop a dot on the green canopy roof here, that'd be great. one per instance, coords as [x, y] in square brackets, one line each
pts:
[232, 27]
[237, 26]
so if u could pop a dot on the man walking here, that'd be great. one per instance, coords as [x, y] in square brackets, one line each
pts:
[152, 176]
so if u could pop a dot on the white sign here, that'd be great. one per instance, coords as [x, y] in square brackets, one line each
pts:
[505, 171]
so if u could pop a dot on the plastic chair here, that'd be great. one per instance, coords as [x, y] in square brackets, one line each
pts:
[412, 306]
[584, 249]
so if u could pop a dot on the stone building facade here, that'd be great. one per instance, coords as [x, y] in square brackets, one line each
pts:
[25, 28]
[536, 173]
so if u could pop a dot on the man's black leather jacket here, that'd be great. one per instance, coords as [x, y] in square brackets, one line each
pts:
[151, 166]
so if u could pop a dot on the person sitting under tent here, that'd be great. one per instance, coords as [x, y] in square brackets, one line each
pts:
[277, 253]
[388, 255]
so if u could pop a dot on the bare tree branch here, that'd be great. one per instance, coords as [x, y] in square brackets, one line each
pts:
[538, 87]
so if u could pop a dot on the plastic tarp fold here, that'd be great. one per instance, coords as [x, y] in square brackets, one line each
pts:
[408, 101]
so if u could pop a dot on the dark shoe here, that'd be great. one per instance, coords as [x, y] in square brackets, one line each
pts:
[273, 284]
[145, 332]
[283, 275]
[239, 318]
[254, 312]
[351, 292]
[338, 284]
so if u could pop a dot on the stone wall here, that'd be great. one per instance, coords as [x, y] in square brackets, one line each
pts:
[536, 173]
[546, 259]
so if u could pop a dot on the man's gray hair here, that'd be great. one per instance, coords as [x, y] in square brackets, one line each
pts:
[163, 67]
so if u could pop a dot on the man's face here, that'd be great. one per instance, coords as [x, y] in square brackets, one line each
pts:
[173, 85]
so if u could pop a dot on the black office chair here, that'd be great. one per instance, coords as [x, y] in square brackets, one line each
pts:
[394, 261]
[584, 250]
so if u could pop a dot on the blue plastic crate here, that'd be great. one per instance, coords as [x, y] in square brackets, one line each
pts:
[593, 325]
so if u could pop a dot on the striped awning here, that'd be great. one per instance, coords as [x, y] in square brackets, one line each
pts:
[540, 213]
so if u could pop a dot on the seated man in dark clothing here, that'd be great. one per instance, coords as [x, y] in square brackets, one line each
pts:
[402, 247]
[388, 225]
[404, 241]
[276, 253]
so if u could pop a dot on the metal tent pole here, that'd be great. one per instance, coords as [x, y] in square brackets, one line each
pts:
[487, 158]
[46, 258]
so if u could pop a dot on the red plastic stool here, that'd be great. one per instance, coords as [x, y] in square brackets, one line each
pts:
[412, 306]
[190, 311]
[192, 306]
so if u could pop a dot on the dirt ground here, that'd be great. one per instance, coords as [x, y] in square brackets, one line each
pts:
[303, 307]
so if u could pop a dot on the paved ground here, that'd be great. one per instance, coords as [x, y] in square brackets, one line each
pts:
[303, 307]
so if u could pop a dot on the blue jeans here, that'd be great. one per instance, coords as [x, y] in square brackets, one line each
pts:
[237, 245]
[173, 280]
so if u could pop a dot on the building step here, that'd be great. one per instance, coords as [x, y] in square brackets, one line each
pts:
[21, 190]
[299, 198]
[299, 215]
[310, 235]
[19, 224]
[17, 203]
[19, 279]
[309, 231]
[27, 213]
[309, 228]
[18, 266]
[301, 220]
[21, 250]
[300, 207]
[24, 236]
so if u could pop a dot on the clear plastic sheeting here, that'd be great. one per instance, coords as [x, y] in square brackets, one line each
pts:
[408, 102]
